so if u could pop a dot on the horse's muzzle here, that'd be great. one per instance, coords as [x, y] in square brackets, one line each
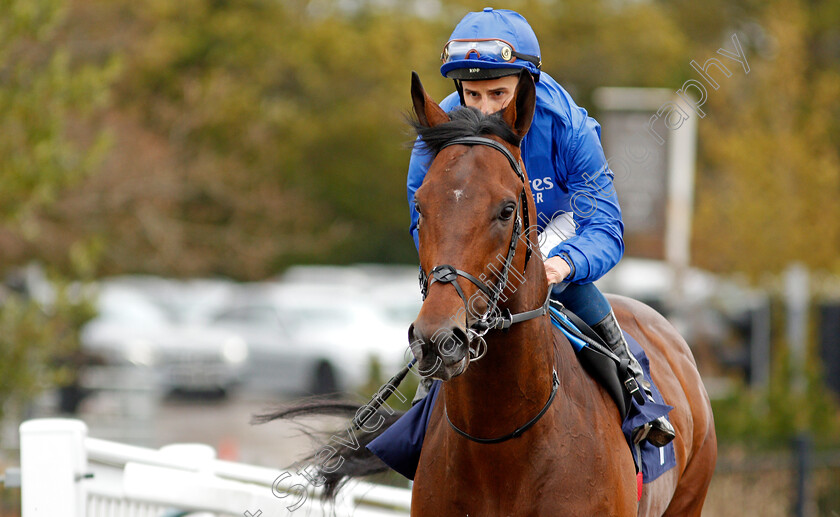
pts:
[441, 354]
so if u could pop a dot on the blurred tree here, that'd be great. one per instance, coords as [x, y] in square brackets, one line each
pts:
[48, 103]
[252, 134]
[39, 345]
[249, 135]
[770, 160]
[44, 97]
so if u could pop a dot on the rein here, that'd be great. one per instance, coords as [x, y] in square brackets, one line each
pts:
[492, 319]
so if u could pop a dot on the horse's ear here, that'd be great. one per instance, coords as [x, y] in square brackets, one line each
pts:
[520, 110]
[429, 114]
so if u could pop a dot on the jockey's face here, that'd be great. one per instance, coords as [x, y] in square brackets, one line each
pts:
[490, 95]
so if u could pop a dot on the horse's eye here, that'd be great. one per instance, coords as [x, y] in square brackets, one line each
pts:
[507, 212]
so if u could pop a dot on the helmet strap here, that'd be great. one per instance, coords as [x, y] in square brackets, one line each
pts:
[534, 60]
[460, 88]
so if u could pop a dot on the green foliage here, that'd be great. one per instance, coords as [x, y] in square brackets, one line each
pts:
[786, 408]
[39, 345]
[770, 159]
[248, 135]
[42, 95]
[48, 100]
[252, 134]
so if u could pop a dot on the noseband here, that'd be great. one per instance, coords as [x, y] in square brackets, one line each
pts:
[447, 274]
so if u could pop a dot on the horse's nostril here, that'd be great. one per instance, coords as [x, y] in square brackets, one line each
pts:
[415, 338]
[460, 335]
[450, 342]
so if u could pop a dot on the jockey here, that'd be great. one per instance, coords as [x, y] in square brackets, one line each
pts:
[572, 184]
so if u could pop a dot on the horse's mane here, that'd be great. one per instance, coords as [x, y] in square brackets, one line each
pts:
[466, 121]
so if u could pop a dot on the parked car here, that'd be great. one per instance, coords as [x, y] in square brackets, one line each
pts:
[313, 339]
[132, 329]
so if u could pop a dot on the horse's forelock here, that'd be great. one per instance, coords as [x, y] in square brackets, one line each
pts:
[465, 121]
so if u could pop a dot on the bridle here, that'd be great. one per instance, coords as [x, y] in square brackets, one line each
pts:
[493, 319]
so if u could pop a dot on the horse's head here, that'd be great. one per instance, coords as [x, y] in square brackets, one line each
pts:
[475, 226]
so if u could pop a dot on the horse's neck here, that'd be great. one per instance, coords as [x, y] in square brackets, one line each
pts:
[511, 383]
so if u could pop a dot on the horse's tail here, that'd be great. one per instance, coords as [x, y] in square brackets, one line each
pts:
[351, 458]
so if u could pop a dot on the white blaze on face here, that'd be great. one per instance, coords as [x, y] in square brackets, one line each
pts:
[458, 194]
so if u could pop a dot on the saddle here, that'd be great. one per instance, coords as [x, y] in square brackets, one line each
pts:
[605, 367]
[594, 355]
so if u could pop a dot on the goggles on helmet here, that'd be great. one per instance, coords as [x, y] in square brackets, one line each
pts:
[496, 50]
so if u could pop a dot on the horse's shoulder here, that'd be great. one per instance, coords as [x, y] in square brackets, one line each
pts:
[579, 387]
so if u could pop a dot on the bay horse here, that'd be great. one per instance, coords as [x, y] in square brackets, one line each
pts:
[574, 460]
[571, 458]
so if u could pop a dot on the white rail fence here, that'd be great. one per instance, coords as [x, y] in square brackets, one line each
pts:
[65, 473]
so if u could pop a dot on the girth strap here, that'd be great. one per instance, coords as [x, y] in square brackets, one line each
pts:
[582, 326]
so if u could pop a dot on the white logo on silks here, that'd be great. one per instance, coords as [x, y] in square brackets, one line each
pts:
[540, 184]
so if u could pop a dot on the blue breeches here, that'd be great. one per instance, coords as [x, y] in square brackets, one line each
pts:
[585, 300]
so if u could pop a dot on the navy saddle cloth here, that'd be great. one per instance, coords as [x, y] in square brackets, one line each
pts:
[399, 446]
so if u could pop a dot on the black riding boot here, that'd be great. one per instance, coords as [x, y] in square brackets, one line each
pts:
[660, 432]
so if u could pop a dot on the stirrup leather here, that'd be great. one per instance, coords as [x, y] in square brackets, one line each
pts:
[632, 386]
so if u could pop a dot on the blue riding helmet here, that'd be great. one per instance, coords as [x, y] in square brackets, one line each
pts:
[490, 44]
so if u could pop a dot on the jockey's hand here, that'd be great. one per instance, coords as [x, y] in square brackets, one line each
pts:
[556, 270]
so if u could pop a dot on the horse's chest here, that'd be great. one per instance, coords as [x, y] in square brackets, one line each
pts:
[509, 497]
[537, 480]
[491, 488]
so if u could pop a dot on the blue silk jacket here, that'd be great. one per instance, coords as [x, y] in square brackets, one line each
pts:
[568, 172]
